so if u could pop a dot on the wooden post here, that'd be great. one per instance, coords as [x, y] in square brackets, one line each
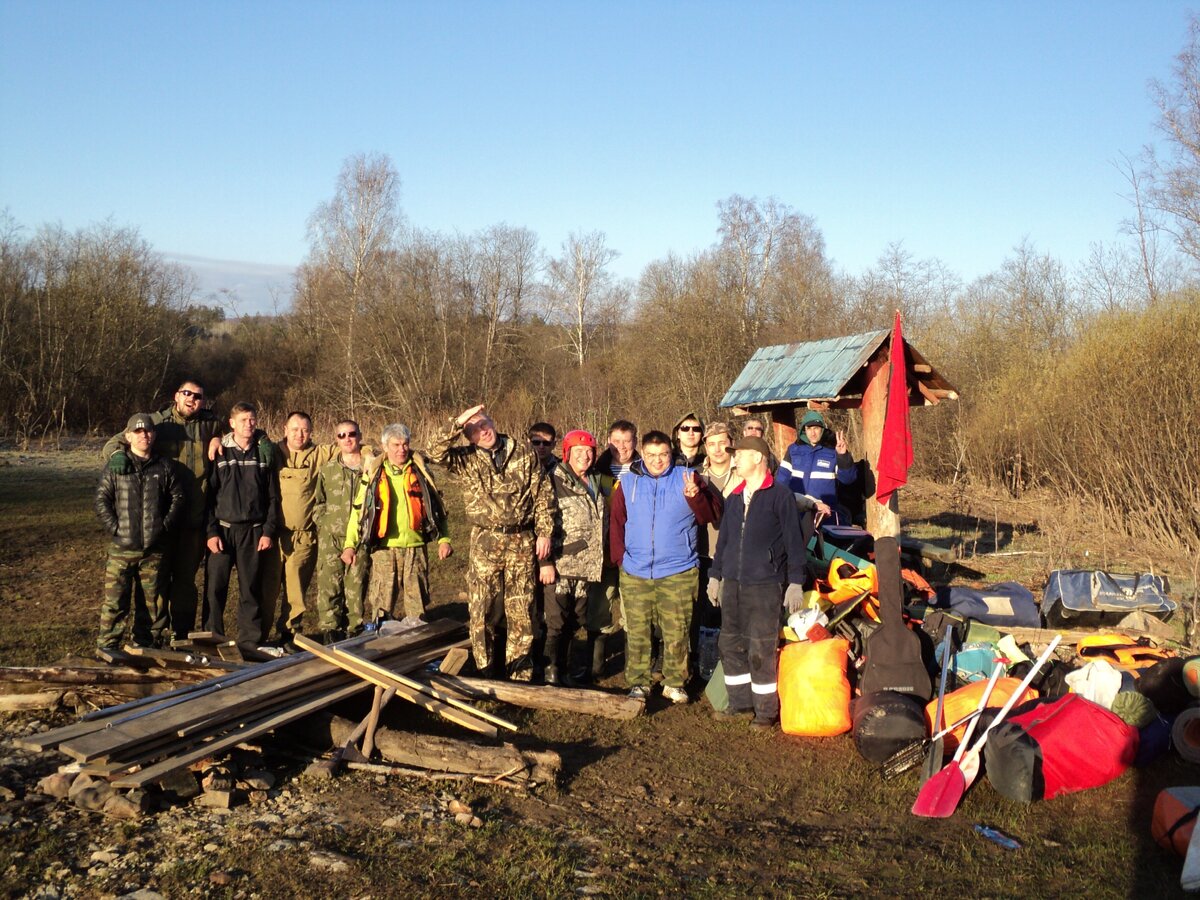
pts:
[882, 521]
[783, 429]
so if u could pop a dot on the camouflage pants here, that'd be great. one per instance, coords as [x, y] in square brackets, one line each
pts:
[604, 607]
[399, 582]
[131, 579]
[340, 587]
[500, 584]
[664, 603]
[287, 572]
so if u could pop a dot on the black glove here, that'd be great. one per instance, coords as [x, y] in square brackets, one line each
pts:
[119, 463]
[714, 592]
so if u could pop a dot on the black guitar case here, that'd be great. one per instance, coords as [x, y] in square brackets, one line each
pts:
[894, 660]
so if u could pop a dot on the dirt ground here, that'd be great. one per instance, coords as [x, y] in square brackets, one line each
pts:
[669, 804]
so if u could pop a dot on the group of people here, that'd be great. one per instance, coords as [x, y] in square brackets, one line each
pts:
[653, 534]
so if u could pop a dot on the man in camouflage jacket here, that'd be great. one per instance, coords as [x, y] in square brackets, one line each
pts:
[182, 432]
[510, 505]
[576, 560]
[340, 587]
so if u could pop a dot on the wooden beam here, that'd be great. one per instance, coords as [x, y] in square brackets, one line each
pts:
[923, 368]
[930, 396]
[585, 702]
[414, 694]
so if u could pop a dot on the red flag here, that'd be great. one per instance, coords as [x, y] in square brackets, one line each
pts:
[895, 450]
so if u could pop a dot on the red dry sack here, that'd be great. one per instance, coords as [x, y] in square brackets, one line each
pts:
[814, 693]
[1068, 745]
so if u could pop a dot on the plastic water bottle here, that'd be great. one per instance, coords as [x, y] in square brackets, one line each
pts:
[708, 651]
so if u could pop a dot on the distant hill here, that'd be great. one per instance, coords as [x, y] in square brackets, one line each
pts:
[240, 288]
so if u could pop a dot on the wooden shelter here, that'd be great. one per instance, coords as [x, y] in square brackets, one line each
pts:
[836, 373]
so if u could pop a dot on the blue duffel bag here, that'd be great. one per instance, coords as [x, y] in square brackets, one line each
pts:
[1007, 603]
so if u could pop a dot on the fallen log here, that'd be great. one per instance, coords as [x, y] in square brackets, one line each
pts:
[74, 675]
[442, 754]
[575, 700]
[928, 550]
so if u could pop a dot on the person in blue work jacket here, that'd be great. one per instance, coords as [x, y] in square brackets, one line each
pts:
[815, 469]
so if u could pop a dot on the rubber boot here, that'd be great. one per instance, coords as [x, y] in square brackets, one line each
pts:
[551, 674]
[596, 643]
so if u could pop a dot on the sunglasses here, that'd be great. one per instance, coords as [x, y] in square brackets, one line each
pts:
[538, 442]
[690, 428]
[191, 394]
[342, 435]
[757, 428]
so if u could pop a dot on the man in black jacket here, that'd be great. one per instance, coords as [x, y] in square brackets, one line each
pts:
[760, 552]
[139, 500]
[243, 520]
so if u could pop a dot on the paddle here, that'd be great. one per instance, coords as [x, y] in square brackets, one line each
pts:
[935, 755]
[939, 796]
[970, 761]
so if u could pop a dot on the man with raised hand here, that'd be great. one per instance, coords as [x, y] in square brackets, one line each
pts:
[656, 509]
[510, 506]
[243, 521]
[760, 566]
[397, 512]
[139, 500]
[815, 468]
[183, 432]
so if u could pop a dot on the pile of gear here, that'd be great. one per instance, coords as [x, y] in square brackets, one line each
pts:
[1039, 698]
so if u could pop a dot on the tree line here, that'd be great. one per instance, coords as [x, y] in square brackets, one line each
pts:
[1082, 379]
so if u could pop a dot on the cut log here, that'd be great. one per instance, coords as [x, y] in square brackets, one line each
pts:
[442, 754]
[74, 675]
[575, 700]
[38, 700]
[453, 661]
[927, 550]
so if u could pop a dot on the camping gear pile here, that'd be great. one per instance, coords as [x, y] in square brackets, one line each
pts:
[963, 684]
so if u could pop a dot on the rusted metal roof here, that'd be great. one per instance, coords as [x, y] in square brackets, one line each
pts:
[830, 371]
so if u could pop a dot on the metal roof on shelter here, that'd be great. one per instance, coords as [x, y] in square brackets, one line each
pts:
[830, 370]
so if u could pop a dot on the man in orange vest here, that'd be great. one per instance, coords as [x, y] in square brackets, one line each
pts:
[397, 511]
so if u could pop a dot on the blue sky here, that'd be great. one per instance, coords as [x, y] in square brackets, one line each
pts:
[216, 128]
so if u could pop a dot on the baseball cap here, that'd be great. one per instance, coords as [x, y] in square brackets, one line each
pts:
[754, 442]
[139, 421]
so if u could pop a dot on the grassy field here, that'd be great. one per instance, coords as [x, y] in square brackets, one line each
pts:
[670, 804]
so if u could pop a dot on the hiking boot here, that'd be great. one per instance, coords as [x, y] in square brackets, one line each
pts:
[639, 692]
[596, 640]
[332, 637]
[733, 715]
[551, 675]
[764, 725]
[674, 694]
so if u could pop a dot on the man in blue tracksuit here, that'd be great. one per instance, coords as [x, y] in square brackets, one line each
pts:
[655, 510]
[759, 568]
[816, 469]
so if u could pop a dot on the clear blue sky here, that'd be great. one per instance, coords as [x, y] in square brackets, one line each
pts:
[215, 128]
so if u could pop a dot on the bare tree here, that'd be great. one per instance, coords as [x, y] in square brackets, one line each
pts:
[579, 282]
[351, 235]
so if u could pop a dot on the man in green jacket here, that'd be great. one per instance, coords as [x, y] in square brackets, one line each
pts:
[340, 587]
[183, 432]
[397, 511]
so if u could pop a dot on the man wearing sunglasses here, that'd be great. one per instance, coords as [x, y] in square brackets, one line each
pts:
[542, 436]
[340, 587]
[183, 432]
[688, 440]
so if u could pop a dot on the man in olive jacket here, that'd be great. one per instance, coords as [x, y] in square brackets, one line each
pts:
[182, 432]
[139, 500]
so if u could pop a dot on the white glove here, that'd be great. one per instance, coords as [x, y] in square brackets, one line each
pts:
[714, 591]
[793, 598]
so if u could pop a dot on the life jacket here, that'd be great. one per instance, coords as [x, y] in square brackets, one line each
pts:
[1122, 651]
[846, 582]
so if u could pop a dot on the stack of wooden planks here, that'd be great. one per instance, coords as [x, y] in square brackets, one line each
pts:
[139, 743]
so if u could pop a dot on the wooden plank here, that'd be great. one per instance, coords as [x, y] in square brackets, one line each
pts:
[454, 661]
[230, 698]
[404, 688]
[75, 675]
[190, 659]
[248, 731]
